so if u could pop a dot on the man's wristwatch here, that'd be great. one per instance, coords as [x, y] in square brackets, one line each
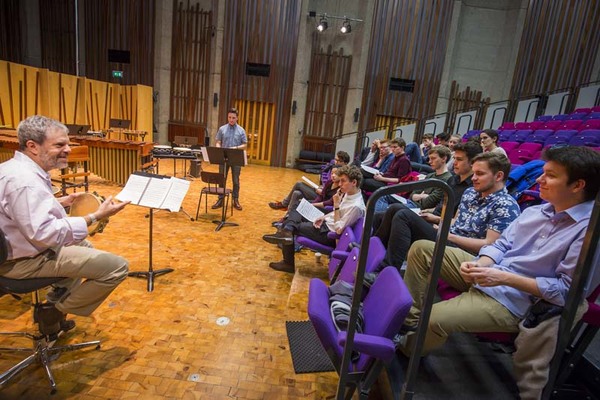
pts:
[93, 219]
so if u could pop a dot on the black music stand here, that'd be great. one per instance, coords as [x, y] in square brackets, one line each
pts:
[119, 123]
[225, 157]
[151, 273]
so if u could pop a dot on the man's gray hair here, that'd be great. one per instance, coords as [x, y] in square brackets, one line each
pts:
[35, 128]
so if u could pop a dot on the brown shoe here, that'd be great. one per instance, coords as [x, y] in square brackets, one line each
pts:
[218, 204]
[237, 205]
[282, 266]
[277, 205]
[281, 237]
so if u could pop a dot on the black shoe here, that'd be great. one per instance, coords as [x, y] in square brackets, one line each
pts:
[49, 318]
[218, 204]
[282, 266]
[237, 205]
[66, 325]
[281, 237]
[56, 294]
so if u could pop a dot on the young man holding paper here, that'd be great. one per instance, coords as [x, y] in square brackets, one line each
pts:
[348, 207]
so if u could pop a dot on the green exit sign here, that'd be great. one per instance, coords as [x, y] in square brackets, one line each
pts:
[117, 74]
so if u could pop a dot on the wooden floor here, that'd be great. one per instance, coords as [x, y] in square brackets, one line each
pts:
[167, 344]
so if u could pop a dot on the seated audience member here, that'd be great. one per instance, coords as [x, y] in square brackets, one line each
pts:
[382, 163]
[484, 211]
[442, 139]
[489, 141]
[454, 140]
[348, 207]
[400, 167]
[534, 258]
[368, 155]
[426, 145]
[323, 200]
[430, 197]
[301, 190]
[43, 241]
[459, 182]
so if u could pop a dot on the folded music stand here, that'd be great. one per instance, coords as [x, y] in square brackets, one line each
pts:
[225, 157]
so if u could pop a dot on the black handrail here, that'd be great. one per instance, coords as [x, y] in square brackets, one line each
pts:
[440, 245]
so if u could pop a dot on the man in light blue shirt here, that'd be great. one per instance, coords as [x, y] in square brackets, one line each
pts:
[231, 136]
[534, 258]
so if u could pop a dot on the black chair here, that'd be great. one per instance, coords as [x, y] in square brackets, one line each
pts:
[215, 187]
[43, 350]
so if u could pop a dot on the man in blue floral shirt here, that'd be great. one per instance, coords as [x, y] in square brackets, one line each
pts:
[485, 210]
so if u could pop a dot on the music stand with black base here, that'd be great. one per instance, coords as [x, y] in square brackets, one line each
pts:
[225, 157]
[151, 273]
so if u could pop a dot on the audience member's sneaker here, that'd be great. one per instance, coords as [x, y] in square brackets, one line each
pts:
[277, 205]
[282, 236]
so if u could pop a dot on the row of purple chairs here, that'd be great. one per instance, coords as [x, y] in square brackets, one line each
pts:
[587, 137]
[579, 124]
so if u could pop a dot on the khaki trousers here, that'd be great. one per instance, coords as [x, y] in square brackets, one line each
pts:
[471, 311]
[101, 270]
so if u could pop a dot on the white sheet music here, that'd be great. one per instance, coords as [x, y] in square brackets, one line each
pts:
[309, 211]
[399, 198]
[154, 192]
[134, 189]
[309, 182]
[177, 192]
[371, 170]
[204, 154]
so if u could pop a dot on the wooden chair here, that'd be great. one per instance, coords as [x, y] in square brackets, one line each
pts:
[79, 156]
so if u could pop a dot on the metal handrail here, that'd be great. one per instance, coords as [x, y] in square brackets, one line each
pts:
[440, 245]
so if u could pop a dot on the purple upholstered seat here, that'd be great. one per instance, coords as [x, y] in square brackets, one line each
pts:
[385, 307]
[322, 248]
[347, 271]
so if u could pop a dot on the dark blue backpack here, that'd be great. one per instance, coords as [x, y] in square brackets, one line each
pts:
[523, 177]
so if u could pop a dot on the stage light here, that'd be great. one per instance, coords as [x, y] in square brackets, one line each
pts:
[346, 28]
[322, 25]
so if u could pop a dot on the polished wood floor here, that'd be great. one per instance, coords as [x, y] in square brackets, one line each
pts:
[167, 344]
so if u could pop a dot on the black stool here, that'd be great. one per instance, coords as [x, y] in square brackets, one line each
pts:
[43, 350]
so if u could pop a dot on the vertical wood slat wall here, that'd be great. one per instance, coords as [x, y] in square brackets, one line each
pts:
[120, 25]
[329, 78]
[463, 101]
[257, 119]
[408, 41]
[265, 32]
[558, 46]
[10, 31]
[57, 31]
[71, 99]
[190, 71]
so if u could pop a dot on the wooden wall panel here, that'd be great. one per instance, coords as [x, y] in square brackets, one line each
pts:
[558, 47]
[408, 41]
[265, 32]
[191, 50]
[26, 91]
[120, 25]
[10, 31]
[329, 78]
[57, 31]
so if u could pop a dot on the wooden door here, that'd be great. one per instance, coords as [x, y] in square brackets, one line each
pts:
[258, 119]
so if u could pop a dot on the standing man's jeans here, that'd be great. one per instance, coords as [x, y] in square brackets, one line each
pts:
[235, 177]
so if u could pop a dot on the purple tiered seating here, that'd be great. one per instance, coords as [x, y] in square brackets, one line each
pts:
[585, 140]
[582, 111]
[508, 146]
[555, 140]
[540, 136]
[596, 109]
[570, 124]
[521, 135]
[575, 116]
[544, 118]
[507, 125]
[470, 134]
[505, 135]
[590, 124]
[553, 124]
[565, 133]
[560, 117]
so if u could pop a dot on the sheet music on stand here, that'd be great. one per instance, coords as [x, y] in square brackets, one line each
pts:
[309, 211]
[154, 191]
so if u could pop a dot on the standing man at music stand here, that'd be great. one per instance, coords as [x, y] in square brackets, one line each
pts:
[231, 136]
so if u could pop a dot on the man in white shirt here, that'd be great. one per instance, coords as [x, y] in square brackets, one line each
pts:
[348, 207]
[42, 240]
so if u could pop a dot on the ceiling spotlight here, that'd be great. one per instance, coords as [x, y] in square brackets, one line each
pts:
[322, 25]
[346, 28]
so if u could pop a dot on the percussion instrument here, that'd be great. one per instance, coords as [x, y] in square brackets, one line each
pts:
[87, 203]
[162, 149]
[182, 151]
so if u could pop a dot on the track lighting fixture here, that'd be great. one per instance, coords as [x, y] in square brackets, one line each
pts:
[322, 25]
[325, 18]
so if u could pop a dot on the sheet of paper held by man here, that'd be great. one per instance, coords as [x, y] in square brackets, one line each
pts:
[309, 211]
